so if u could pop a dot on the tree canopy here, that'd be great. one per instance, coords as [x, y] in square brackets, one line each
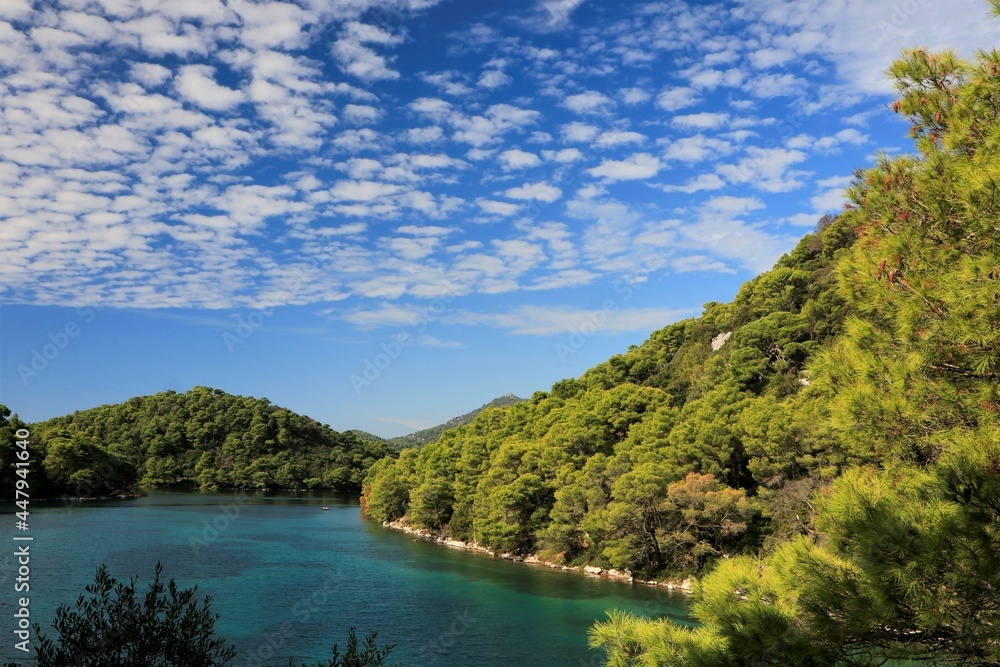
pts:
[204, 437]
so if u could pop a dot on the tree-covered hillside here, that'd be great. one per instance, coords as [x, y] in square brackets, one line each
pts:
[204, 436]
[694, 444]
[905, 560]
[826, 447]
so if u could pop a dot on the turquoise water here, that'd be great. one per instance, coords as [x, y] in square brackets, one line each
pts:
[288, 580]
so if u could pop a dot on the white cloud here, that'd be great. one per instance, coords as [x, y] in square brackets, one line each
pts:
[565, 156]
[710, 79]
[493, 78]
[637, 167]
[355, 141]
[518, 159]
[732, 206]
[361, 168]
[828, 144]
[431, 106]
[451, 82]
[563, 279]
[618, 138]
[861, 38]
[706, 120]
[768, 57]
[489, 127]
[412, 249]
[386, 315]
[426, 230]
[674, 99]
[196, 84]
[550, 320]
[698, 184]
[498, 207]
[697, 148]
[578, 132]
[830, 198]
[424, 135]
[588, 102]
[430, 341]
[15, 9]
[767, 169]
[552, 14]
[635, 95]
[361, 113]
[362, 190]
[719, 231]
[775, 85]
[543, 192]
[149, 74]
[357, 59]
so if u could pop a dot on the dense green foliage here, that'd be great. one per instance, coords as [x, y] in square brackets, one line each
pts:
[660, 459]
[905, 561]
[204, 436]
[114, 625]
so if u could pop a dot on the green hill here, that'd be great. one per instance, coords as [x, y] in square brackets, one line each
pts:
[420, 438]
[570, 472]
[824, 451]
[204, 437]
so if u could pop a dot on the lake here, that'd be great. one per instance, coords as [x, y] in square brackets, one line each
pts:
[288, 579]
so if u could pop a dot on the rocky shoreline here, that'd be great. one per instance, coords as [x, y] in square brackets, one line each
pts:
[683, 586]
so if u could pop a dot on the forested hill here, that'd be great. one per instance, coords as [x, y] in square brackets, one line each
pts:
[824, 451]
[711, 414]
[204, 437]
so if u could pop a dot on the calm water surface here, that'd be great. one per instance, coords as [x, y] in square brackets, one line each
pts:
[288, 579]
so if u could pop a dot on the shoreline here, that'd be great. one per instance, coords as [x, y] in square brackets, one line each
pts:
[683, 586]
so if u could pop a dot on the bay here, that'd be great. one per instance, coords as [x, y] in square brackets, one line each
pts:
[288, 579]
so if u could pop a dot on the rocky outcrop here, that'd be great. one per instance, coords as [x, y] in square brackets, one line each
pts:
[684, 586]
[720, 340]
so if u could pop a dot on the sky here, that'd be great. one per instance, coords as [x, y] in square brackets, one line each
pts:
[385, 213]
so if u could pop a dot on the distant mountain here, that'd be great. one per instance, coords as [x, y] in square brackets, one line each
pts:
[428, 435]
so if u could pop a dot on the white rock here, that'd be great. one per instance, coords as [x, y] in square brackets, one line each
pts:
[720, 340]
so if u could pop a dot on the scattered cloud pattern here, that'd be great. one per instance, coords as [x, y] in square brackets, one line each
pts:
[209, 154]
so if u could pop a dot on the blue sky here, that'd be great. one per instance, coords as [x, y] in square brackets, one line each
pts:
[385, 213]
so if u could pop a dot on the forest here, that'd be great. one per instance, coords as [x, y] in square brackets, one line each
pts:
[823, 452]
[204, 437]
